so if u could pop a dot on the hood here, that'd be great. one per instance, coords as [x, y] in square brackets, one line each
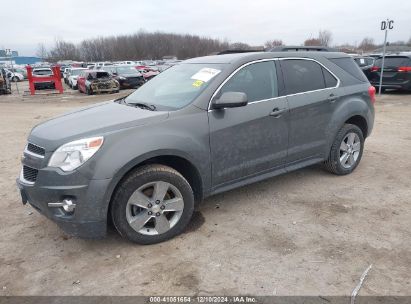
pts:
[91, 121]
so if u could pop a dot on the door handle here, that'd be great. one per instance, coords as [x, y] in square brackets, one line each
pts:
[277, 112]
[332, 98]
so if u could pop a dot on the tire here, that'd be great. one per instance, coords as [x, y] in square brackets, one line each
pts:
[151, 228]
[89, 91]
[337, 161]
[15, 79]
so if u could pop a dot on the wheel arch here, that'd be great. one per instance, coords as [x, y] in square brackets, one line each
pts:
[180, 163]
[360, 122]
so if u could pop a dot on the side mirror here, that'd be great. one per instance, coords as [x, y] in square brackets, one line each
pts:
[230, 100]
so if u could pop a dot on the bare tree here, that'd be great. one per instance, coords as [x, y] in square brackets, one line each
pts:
[137, 46]
[269, 44]
[41, 51]
[367, 44]
[312, 42]
[325, 37]
[239, 46]
[64, 51]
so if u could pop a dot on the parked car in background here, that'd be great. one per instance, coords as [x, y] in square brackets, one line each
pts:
[126, 75]
[38, 72]
[97, 81]
[72, 79]
[147, 72]
[5, 86]
[365, 64]
[397, 72]
[205, 126]
[62, 69]
[21, 71]
[102, 64]
[14, 76]
[66, 75]
[127, 62]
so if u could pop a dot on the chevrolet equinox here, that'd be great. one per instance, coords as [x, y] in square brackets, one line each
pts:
[204, 126]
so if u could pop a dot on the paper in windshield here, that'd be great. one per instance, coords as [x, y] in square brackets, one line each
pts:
[205, 74]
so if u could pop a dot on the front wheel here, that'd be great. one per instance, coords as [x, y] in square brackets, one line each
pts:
[346, 150]
[153, 204]
[15, 79]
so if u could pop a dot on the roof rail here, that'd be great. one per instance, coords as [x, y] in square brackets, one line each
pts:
[302, 48]
[237, 51]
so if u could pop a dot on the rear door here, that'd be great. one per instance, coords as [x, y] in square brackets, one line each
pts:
[312, 98]
[248, 140]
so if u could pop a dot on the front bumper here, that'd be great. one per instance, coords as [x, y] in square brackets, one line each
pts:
[89, 218]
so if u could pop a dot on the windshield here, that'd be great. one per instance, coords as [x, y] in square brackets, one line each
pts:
[76, 72]
[127, 70]
[176, 87]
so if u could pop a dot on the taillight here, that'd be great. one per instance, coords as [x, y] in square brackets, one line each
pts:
[375, 69]
[404, 69]
[371, 92]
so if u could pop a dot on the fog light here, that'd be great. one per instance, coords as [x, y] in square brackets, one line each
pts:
[67, 205]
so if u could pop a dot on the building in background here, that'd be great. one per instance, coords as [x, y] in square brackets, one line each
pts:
[16, 59]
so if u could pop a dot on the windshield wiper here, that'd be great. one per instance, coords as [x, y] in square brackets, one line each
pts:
[143, 105]
[139, 104]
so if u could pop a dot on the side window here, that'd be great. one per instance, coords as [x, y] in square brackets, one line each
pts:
[257, 80]
[302, 75]
[329, 79]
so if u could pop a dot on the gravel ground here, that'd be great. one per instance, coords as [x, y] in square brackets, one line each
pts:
[303, 233]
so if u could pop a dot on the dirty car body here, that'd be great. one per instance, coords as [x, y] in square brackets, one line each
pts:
[202, 127]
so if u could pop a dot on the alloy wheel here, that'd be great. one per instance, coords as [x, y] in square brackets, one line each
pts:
[154, 208]
[350, 149]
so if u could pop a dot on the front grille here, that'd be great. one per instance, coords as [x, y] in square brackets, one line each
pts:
[35, 149]
[30, 174]
[106, 85]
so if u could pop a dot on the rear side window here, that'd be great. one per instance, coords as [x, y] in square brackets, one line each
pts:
[349, 65]
[330, 80]
[394, 61]
[302, 75]
[257, 80]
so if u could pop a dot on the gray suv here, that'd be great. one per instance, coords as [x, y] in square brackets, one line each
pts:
[204, 126]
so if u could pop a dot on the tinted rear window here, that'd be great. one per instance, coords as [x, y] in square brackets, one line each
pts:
[349, 65]
[394, 61]
[42, 72]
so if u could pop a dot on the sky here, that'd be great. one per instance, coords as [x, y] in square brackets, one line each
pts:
[26, 23]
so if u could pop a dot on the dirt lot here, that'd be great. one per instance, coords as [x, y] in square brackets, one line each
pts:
[304, 233]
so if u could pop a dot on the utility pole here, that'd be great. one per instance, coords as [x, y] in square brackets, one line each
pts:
[9, 54]
[385, 26]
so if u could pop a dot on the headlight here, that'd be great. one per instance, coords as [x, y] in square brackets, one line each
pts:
[73, 154]
[122, 78]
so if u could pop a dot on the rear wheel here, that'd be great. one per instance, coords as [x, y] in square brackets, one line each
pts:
[153, 204]
[346, 151]
[15, 79]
